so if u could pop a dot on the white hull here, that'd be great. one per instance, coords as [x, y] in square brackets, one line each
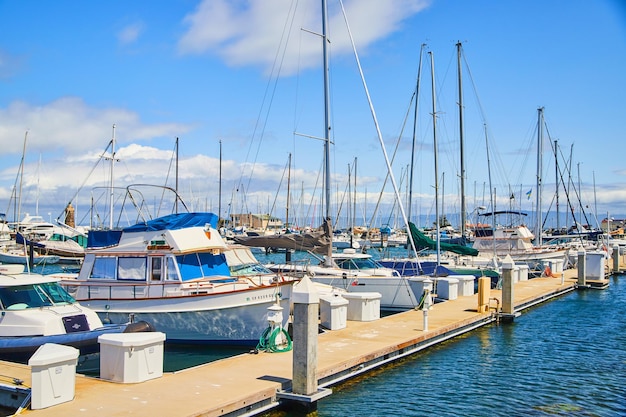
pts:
[237, 317]
[395, 292]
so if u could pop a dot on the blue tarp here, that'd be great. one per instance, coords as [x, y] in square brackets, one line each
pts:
[106, 238]
[175, 222]
[103, 238]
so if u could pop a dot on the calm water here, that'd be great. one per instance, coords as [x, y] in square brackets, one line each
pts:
[566, 357]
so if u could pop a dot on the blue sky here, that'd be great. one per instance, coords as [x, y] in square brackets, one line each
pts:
[248, 74]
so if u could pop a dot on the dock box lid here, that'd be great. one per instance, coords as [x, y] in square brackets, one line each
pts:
[50, 353]
[334, 299]
[131, 339]
[362, 295]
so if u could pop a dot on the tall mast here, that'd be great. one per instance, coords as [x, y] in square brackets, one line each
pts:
[556, 171]
[354, 199]
[18, 200]
[219, 192]
[463, 208]
[176, 196]
[432, 73]
[417, 89]
[539, 173]
[326, 128]
[492, 200]
[288, 196]
[111, 185]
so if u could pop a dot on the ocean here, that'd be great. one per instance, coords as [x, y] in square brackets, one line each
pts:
[565, 357]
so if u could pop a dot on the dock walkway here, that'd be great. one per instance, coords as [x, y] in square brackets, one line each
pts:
[248, 384]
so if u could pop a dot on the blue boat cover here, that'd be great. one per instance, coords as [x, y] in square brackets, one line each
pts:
[103, 238]
[175, 222]
[107, 238]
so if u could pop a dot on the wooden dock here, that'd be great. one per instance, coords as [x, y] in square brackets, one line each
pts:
[249, 384]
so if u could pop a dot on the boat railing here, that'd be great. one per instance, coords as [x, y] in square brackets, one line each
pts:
[136, 291]
[295, 268]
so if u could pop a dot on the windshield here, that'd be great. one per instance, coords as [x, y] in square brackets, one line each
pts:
[249, 269]
[33, 296]
[358, 263]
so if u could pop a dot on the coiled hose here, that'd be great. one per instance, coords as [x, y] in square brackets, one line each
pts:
[269, 338]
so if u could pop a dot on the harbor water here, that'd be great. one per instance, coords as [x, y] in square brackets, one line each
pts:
[565, 357]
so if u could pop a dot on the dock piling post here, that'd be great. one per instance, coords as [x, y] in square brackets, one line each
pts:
[582, 270]
[428, 302]
[615, 257]
[304, 390]
[484, 293]
[305, 312]
[508, 306]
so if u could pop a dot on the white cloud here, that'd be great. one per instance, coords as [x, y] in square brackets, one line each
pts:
[130, 33]
[246, 33]
[70, 125]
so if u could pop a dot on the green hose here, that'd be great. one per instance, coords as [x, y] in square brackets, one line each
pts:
[267, 342]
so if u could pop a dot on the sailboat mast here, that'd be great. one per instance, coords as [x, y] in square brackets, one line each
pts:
[219, 191]
[354, 199]
[492, 200]
[19, 199]
[539, 173]
[288, 193]
[417, 89]
[432, 73]
[556, 172]
[176, 197]
[461, 144]
[111, 197]
[326, 125]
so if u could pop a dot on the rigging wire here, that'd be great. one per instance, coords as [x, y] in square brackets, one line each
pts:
[268, 98]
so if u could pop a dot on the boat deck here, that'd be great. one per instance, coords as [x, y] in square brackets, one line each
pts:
[248, 383]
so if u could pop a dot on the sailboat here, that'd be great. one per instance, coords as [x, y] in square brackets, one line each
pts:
[449, 258]
[515, 239]
[342, 269]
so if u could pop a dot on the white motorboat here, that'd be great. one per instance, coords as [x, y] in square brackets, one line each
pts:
[36, 310]
[173, 273]
[357, 272]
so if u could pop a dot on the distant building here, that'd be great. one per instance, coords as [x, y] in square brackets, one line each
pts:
[256, 221]
[617, 226]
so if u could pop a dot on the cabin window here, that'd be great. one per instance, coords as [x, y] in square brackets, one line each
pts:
[103, 268]
[131, 268]
[172, 271]
[156, 268]
[199, 265]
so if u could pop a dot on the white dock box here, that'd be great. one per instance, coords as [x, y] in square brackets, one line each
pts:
[595, 265]
[363, 306]
[515, 274]
[447, 288]
[523, 272]
[131, 357]
[53, 375]
[557, 266]
[333, 311]
[466, 285]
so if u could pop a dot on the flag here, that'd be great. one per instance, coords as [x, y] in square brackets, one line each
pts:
[529, 193]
